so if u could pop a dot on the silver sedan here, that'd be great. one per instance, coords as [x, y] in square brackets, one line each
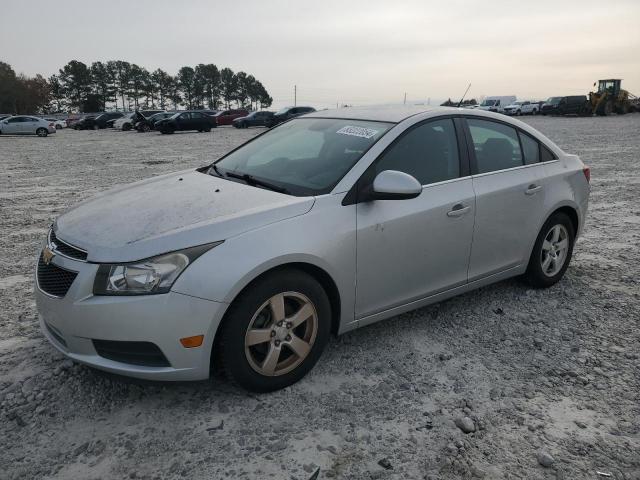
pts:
[24, 125]
[324, 224]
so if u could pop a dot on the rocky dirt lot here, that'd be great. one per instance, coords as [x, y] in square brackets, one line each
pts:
[504, 382]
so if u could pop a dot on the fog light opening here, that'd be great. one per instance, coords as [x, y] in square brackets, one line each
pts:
[192, 342]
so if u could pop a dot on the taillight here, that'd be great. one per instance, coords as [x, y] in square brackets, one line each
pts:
[587, 174]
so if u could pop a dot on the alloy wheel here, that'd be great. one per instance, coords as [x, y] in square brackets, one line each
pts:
[554, 250]
[281, 334]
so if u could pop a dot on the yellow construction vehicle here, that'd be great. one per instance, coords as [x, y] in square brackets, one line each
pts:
[610, 98]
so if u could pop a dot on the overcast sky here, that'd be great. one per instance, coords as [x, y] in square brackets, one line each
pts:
[356, 52]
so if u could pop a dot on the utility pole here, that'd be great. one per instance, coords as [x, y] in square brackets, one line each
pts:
[405, 98]
[295, 95]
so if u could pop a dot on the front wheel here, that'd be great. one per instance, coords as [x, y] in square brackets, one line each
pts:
[145, 128]
[275, 331]
[42, 132]
[552, 252]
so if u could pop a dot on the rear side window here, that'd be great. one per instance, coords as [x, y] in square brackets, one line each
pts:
[530, 149]
[496, 145]
[428, 152]
[546, 155]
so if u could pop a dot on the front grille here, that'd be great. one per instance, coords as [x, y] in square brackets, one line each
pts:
[63, 248]
[54, 280]
[146, 354]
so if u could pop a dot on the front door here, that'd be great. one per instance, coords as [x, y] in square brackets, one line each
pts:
[509, 187]
[410, 249]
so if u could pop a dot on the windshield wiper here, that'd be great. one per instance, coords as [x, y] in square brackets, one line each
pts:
[253, 181]
[215, 168]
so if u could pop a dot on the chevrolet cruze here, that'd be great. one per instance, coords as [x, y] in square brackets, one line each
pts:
[327, 223]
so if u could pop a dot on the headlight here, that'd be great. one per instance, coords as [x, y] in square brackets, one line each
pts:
[150, 276]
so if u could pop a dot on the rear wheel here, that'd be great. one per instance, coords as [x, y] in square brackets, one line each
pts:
[552, 251]
[126, 127]
[275, 331]
[42, 132]
[145, 128]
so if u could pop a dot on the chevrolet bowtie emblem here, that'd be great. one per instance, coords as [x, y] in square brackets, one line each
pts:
[47, 255]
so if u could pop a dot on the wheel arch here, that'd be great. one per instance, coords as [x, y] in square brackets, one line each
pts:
[316, 272]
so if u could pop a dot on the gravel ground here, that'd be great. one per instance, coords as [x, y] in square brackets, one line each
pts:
[546, 383]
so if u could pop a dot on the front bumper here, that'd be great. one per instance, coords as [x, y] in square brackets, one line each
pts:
[72, 323]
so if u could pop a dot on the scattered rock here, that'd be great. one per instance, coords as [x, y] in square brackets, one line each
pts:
[385, 463]
[465, 424]
[545, 459]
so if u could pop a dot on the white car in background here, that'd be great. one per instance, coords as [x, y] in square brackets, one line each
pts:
[124, 123]
[497, 103]
[24, 125]
[58, 123]
[522, 108]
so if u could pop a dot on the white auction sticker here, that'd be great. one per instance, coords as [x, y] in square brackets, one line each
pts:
[357, 131]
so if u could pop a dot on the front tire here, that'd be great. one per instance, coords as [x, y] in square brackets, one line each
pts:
[42, 132]
[275, 331]
[552, 252]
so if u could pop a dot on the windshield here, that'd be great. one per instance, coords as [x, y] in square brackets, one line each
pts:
[554, 100]
[488, 103]
[306, 156]
[283, 111]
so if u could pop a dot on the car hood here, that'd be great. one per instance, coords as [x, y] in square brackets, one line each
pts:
[171, 212]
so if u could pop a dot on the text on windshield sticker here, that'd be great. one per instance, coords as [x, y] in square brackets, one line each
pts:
[357, 131]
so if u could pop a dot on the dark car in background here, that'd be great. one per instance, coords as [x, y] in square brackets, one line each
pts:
[254, 119]
[226, 117]
[98, 121]
[288, 113]
[146, 124]
[574, 104]
[183, 121]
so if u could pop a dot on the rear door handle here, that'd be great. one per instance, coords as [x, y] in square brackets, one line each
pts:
[458, 210]
[532, 189]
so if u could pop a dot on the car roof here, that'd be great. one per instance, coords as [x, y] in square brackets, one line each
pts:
[393, 114]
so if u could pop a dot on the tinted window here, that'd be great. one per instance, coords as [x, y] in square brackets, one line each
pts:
[546, 155]
[185, 116]
[429, 152]
[197, 115]
[530, 149]
[15, 120]
[496, 145]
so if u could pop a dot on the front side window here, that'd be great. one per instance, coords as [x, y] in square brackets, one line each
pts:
[496, 145]
[15, 120]
[304, 156]
[185, 116]
[428, 152]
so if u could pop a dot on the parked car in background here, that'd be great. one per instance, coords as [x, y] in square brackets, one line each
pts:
[97, 121]
[146, 124]
[125, 122]
[496, 103]
[2, 117]
[183, 121]
[226, 117]
[26, 125]
[569, 105]
[79, 124]
[72, 121]
[254, 119]
[522, 108]
[58, 123]
[253, 260]
[288, 113]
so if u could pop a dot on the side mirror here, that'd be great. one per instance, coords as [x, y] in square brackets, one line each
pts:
[394, 185]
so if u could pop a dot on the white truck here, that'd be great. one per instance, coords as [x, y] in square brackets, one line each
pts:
[497, 103]
[523, 108]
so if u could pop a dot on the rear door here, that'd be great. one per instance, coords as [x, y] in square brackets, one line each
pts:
[410, 249]
[509, 197]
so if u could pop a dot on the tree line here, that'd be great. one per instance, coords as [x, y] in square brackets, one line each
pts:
[127, 86]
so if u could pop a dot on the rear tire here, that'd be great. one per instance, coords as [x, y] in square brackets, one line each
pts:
[42, 132]
[552, 252]
[207, 130]
[269, 309]
[126, 127]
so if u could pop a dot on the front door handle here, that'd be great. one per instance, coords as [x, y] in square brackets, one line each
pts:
[458, 210]
[532, 189]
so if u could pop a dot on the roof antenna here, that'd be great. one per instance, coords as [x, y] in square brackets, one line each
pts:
[465, 94]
